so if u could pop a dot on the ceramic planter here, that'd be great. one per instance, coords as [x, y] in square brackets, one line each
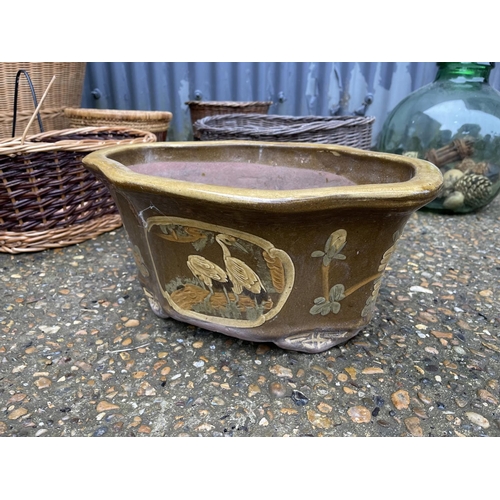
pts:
[271, 242]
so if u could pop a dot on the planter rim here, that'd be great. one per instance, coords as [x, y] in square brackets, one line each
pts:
[410, 194]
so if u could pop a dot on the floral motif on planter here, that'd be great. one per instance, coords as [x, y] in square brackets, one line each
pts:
[332, 296]
[370, 302]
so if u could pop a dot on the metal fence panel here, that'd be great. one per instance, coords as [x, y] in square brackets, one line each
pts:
[295, 88]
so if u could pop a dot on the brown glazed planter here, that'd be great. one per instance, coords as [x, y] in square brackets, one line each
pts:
[271, 242]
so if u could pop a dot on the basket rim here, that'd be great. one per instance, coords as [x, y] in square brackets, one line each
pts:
[227, 103]
[255, 124]
[16, 145]
[291, 118]
[15, 242]
[118, 113]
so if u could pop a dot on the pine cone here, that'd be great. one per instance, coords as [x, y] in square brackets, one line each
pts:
[475, 188]
[468, 165]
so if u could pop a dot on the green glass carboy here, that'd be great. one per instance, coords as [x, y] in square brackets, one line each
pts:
[453, 122]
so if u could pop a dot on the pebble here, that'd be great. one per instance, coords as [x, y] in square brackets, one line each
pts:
[253, 389]
[106, 406]
[324, 408]
[351, 371]
[204, 427]
[100, 431]
[277, 389]
[477, 419]
[420, 289]
[281, 371]
[413, 426]
[49, 330]
[299, 398]
[400, 399]
[43, 383]
[146, 389]
[17, 413]
[262, 349]
[132, 323]
[360, 414]
[420, 412]
[318, 420]
[493, 384]
[383, 423]
[424, 398]
[372, 370]
[487, 396]
[327, 373]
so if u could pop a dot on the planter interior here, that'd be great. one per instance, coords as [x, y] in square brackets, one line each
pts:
[271, 242]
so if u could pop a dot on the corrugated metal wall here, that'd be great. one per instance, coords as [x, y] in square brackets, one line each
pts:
[295, 88]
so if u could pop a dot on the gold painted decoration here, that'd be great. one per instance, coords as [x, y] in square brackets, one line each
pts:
[219, 274]
[370, 302]
[330, 301]
[316, 341]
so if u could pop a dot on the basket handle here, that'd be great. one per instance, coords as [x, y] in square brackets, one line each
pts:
[37, 109]
[33, 95]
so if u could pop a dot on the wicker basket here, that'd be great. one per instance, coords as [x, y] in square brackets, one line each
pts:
[201, 109]
[48, 199]
[354, 131]
[66, 92]
[156, 122]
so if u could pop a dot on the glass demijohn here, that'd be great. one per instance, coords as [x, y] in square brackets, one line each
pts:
[453, 122]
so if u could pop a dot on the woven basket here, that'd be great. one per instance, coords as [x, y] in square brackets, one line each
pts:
[354, 131]
[66, 92]
[156, 122]
[48, 199]
[201, 109]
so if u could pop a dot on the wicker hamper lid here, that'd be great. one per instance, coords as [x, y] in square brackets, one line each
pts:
[152, 121]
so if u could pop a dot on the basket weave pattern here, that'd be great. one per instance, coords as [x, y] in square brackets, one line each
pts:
[48, 198]
[201, 109]
[65, 92]
[156, 122]
[353, 131]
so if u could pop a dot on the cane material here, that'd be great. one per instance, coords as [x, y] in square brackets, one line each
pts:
[353, 131]
[66, 92]
[156, 122]
[47, 197]
[202, 109]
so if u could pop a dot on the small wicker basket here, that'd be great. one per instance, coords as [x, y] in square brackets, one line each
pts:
[48, 199]
[353, 131]
[201, 109]
[156, 122]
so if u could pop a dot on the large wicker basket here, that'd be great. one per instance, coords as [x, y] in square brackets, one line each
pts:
[48, 199]
[66, 92]
[156, 122]
[354, 131]
[201, 109]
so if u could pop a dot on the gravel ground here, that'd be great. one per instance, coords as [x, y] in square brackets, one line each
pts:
[82, 354]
